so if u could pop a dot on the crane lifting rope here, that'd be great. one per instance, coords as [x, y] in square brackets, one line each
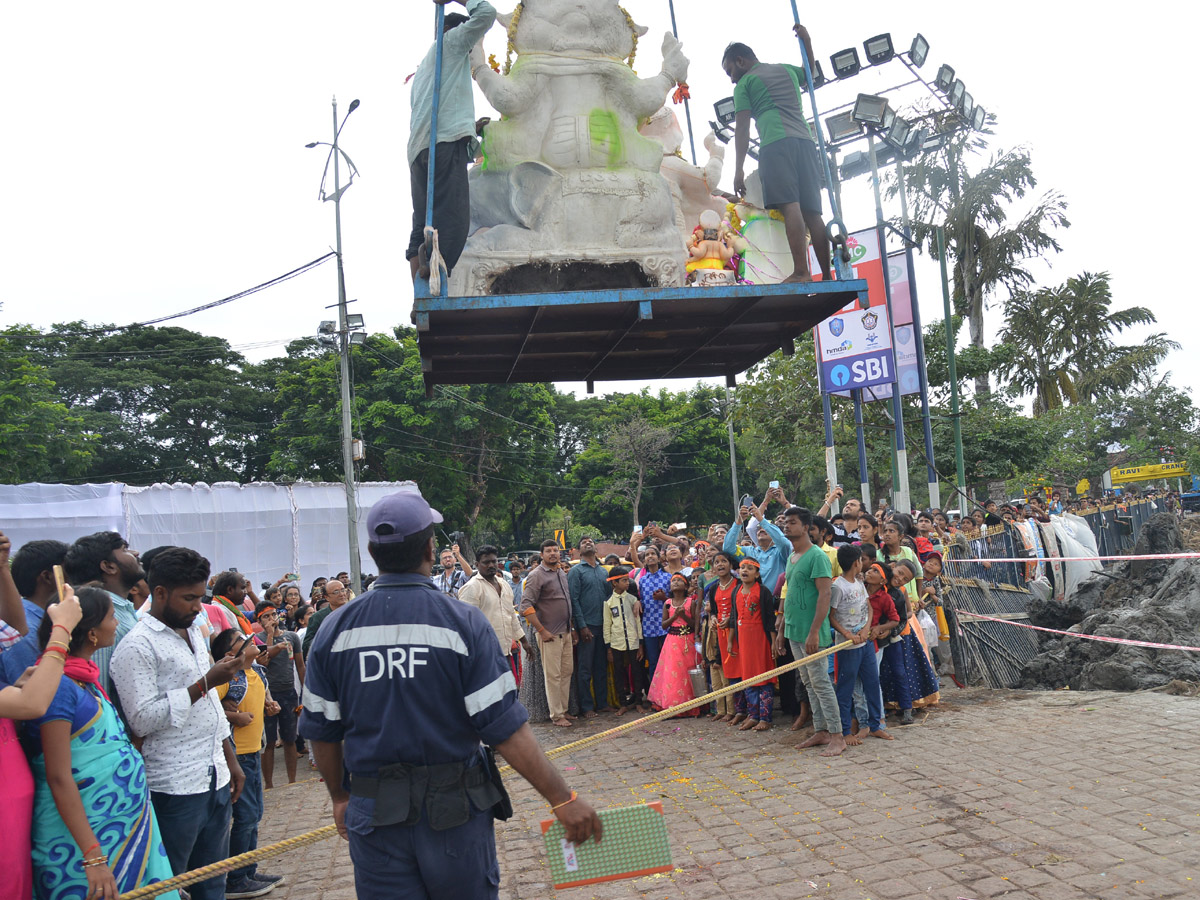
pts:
[629, 333]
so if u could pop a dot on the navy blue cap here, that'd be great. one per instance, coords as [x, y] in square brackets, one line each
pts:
[398, 516]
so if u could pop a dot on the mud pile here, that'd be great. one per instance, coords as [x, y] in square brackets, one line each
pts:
[1143, 601]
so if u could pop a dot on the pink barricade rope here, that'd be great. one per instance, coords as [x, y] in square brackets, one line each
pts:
[966, 617]
[1067, 559]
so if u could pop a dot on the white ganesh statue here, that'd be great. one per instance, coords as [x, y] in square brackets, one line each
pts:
[569, 195]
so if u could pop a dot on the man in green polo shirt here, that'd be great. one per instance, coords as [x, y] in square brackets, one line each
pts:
[806, 627]
[788, 164]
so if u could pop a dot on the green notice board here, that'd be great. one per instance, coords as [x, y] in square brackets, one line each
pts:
[634, 844]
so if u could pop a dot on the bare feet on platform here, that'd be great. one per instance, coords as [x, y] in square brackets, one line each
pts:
[854, 726]
[564, 722]
[590, 714]
[748, 724]
[737, 719]
[801, 720]
[882, 735]
[763, 726]
[569, 716]
[852, 740]
[837, 746]
[720, 717]
[622, 710]
[798, 278]
[820, 737]
[641, 707]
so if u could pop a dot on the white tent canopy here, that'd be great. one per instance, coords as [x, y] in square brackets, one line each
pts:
[263, 530]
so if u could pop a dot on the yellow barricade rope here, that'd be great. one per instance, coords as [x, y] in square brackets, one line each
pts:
[328, 831]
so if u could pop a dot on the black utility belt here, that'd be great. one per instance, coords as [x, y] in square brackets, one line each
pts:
[444, 792]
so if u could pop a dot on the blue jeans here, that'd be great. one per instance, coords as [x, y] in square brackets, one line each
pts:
[414, 862]
[653, 645]
[247, 813]
[852, 665]
[860, 698]
[195, 833]
[592, 671]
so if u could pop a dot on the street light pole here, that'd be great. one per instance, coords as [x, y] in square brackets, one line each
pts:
[901, 496]
[344, 353]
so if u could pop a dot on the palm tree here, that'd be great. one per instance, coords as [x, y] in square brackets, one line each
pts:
[988, 251]
[1062, 341]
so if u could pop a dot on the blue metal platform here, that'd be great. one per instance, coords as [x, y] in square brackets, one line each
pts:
[618, 335]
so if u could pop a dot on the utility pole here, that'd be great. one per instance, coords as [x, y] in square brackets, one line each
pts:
[343, 340]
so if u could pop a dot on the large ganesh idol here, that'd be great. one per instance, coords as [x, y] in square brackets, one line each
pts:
[569, 194]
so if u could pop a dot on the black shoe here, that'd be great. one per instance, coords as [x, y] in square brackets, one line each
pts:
[263, 878]
[236, 888]
[906, 718]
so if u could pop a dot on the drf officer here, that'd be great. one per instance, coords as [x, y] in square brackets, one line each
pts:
[406, 690]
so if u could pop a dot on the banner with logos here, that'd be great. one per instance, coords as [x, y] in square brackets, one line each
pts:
[854, 346]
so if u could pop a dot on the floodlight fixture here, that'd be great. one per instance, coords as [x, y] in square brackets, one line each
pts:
[845, 63]
[358, 337]
[955, 94]
[726, 111]
[945, 79]
[327, 327]
[979, 119]
[818, 75]
[843, 126]
[889, 116]
[871, 109]
[897, 133]
[354, 320]
[879, 49]
[933, 140]
[919, 51]
[966, 107]
[854, 164]
[914, 142]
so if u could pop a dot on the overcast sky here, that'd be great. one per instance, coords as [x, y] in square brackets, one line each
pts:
[156, 152]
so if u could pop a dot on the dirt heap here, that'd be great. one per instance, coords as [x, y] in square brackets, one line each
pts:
[1145, 601]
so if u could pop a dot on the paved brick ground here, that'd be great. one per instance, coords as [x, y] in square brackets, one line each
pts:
[1022, 795]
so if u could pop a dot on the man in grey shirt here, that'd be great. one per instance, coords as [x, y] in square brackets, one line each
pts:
[546, 604]
[283, 660]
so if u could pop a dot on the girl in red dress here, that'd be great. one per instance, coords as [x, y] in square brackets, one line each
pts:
[754, 630]
[719, 598]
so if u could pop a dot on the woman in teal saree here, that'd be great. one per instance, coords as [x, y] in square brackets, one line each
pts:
[94, 831]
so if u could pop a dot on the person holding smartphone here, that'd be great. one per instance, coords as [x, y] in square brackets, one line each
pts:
[281, 655]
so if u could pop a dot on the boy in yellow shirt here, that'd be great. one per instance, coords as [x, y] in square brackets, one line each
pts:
[623, 635]
[247, 701]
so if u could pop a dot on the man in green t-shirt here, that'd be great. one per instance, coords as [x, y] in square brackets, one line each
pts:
[806, 627]
[788, 163]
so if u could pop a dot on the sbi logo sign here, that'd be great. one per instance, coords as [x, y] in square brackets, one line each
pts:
[840, 376]
[861, 372]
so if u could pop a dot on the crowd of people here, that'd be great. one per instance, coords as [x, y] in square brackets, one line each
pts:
[140, 714]
[677, 618]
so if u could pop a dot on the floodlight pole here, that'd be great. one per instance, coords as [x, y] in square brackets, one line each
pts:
[864, 480]
[344, 353]
[935, 493]
[901, 497]
[737, 499]
[960, 468]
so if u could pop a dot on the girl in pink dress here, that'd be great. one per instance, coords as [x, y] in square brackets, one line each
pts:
[672, 684]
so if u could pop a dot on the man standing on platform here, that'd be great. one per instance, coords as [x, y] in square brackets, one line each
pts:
[589, 588]
[546, 604]
[405, 693]
[788, 163]
[456, 134]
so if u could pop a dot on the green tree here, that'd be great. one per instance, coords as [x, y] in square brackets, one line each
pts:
[161, 404]
[473, 450]
[1062, 342]
[989, 251]
[41, 439]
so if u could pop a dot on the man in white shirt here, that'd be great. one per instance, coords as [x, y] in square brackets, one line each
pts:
[494, 598]
[162, 671]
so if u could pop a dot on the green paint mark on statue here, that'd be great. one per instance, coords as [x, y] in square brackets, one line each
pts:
[605, 131]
